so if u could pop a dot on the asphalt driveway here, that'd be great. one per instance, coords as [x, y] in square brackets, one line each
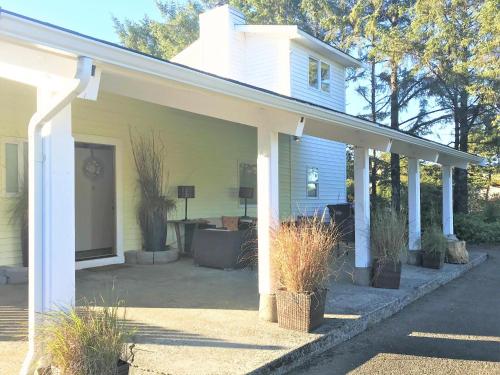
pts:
[454, 330]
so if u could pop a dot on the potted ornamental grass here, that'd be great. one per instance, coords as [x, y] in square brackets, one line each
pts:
[155, 204]
[88, 340]
[302, 253]
[434, 246]
[388, 243]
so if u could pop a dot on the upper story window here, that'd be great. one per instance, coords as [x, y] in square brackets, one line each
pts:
[319, 74]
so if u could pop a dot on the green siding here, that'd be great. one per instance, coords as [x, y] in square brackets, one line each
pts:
[201, 151]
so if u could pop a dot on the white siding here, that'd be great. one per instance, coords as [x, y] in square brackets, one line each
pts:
[299, 61]
[285, 175]
[267, 62]
[329, 157]
[274, 62]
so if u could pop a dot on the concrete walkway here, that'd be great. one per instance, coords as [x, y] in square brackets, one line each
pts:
[455, 330]
[194, 320]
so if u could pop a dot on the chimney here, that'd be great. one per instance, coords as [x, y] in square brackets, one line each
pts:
[220, 44]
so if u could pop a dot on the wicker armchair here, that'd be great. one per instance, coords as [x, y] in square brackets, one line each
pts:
[222, 248]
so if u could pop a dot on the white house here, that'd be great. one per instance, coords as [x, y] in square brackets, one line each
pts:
[71, 99]
[288, 61]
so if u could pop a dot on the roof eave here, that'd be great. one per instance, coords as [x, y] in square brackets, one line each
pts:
[45, 36]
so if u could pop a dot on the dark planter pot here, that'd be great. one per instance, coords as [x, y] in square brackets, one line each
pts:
[25, 244]
[386, 274]
[123, 367]
[433, 260]
[154, 230]
[301, 311]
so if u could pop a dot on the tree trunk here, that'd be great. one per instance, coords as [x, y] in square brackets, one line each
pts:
[395, 168]
[461, 190]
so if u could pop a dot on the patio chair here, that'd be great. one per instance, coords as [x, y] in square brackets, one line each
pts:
[223, 248]
[343, 215]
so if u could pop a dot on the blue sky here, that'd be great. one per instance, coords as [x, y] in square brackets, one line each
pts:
[93, 17]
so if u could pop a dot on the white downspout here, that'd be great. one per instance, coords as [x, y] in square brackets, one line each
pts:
[35, 167]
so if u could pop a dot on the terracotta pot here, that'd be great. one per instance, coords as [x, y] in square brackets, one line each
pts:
[386, 274]
[301, 311]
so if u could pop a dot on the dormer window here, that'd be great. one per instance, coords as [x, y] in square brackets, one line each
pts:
[319, 75]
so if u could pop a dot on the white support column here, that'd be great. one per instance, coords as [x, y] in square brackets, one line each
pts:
[268, 215]
[414, 223]
[363, 259]
[447, 200]
[52, 244]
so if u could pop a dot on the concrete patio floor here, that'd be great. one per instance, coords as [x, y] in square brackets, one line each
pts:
[194, 320]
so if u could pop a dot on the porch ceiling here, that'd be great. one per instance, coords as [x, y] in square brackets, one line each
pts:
[150, 79]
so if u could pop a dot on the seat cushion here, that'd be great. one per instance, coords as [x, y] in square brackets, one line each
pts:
[230, 222]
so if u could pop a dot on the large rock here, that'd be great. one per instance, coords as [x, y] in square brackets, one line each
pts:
[456, 252]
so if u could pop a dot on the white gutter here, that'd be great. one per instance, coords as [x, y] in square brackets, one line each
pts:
[35, 163]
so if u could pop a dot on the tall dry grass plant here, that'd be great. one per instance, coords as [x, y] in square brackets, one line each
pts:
[87, 340]
[149, 153]
[302, 253]
[388, 235]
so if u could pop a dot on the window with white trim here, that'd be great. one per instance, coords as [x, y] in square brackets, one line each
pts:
[312, 184]
[319, 74]
[15, 157]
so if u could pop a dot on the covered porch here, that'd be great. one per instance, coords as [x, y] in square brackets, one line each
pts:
[194, 320]
[64, 66]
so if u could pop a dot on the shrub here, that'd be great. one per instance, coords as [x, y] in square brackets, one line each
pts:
[388, 235]
[302, 253]
[475, 229]
[434, 241]
[87, 340]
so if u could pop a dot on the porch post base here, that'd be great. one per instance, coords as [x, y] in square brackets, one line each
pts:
[267, 308]
[414, 257]
[363, 276]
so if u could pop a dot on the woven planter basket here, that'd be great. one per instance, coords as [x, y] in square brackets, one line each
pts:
[301, 311]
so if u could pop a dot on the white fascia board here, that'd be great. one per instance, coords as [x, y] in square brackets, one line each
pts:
[294, 33]
[316, 44]
[107, 56]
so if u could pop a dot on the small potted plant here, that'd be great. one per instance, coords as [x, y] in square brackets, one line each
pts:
[388, 241]
[302, 255]
[434, 245]
[88, 340]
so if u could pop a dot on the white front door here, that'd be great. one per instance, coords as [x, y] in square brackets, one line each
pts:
[95, 201]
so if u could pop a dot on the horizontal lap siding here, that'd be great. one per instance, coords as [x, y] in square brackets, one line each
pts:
[200, 151]
[328, 156]
[284, 176]
[17, 104]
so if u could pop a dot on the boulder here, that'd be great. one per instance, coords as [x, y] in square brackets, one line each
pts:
[456, 252]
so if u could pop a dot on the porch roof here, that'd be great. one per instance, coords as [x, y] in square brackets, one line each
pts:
[148, 78]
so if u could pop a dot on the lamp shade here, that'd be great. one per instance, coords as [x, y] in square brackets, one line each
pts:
[185, 191]
[246, 192]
